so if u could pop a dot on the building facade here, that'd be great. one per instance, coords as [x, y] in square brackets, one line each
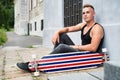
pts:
[28, 17]
[30, 14]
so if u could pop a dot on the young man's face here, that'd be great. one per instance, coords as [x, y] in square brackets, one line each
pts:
[88, 14]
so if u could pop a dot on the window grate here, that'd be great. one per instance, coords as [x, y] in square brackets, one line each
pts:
[72, 12]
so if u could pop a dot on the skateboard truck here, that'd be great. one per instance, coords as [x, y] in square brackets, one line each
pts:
[36, 73]
[104, 50]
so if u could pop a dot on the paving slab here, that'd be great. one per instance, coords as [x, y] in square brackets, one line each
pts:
[10, 69]
[1, 63]
[73, 76]
[98, 73]
[18, 54]
[26, 53]
[22, 78]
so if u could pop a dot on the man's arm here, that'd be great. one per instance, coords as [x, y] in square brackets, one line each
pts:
[96, 34]
[65, 30]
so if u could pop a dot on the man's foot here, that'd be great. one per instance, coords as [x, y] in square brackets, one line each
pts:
[24, 66]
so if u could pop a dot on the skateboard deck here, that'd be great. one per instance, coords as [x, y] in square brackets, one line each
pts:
[68, 61]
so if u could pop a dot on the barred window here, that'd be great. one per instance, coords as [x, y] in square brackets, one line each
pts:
[72, 12]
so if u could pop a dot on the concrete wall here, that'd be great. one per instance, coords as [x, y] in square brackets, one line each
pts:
[53, 19]
[21, 16]
[108, 14]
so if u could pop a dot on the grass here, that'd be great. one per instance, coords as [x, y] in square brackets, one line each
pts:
[3, 70]
[30, 46]
[3, 36]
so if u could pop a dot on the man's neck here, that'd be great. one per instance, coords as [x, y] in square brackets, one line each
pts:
[91, 23]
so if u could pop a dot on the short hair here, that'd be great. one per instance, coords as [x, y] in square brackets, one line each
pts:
[88, 5]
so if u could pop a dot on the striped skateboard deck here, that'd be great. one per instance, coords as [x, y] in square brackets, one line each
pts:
[68, 61]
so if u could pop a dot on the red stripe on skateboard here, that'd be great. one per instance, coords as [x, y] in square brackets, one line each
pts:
[70, 64]
[67, 58]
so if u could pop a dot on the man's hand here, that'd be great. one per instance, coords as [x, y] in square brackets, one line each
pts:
[55, 38]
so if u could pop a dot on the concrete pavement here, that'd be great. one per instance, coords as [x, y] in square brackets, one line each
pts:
[22, 41]
[9, 56]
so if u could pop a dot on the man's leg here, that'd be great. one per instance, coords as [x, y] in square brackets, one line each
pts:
[63, 48]
[64, 39]
[63, 45]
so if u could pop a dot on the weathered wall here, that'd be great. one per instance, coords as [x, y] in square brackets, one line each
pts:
[21, 16]
[53, 19]
[108, 14]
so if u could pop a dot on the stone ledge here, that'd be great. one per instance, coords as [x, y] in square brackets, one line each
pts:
[111, 71]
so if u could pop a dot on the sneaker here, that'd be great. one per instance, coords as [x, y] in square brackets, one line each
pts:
[24, 66]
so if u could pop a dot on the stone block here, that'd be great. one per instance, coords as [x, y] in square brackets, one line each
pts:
[112, 71]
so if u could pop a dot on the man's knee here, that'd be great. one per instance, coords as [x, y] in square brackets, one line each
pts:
[63, 35]
[61, 45]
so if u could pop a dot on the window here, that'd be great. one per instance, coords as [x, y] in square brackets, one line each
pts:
[42, 25]
[72, 12]
[35, 26]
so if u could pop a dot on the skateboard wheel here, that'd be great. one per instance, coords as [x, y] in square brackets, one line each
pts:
[36, 73]
[104, 50]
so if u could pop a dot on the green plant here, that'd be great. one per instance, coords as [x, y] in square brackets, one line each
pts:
[6, 14]
[30, 46]
[3, 36]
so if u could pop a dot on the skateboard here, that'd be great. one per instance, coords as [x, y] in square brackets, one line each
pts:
[68, 61]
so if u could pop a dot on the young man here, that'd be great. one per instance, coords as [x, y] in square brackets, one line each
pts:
[92, 35]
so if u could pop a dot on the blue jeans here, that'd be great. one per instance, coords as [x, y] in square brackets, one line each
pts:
[63, 45]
